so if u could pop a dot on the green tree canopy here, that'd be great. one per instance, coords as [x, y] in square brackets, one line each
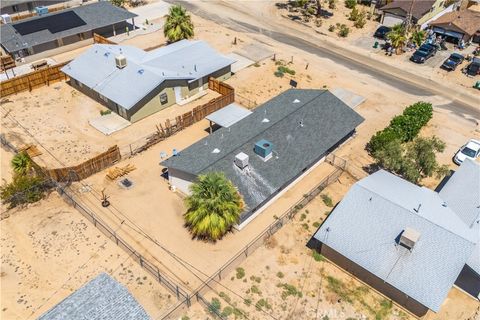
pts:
[21, 163]
[397, 36]
[178, 25]
[213, 207]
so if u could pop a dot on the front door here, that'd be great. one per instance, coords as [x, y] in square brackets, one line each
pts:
[178, 94]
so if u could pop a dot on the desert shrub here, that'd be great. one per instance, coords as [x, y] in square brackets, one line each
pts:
[256, 290]
[185, 318]
[350, 4]
[353, 14]
[105, 112]
[263, 303]
[318, 23]
[227, 311]
[240, 273]
[311, 10]
[326, 200]
[331, 28]
[303, 216]
[280, 274]
[23, 189]
[256, 279]
[278, 74]
[317, 256]
[316, 224]
[285, 69]
[360, 21]
[343, 31]
[224, 296]
[289, 290]
[247, 301]
[300, 3]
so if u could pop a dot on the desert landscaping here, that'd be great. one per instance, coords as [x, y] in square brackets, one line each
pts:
[50, 248]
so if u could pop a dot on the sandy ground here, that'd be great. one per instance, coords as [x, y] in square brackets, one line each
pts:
[49, 250]
[286, 259]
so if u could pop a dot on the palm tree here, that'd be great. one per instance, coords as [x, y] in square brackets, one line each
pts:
[21, 163]
[418, 37]
[397, 37]
[178, 25]
[213, 207]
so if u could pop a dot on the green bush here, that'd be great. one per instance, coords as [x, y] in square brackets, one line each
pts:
[22, 190]
[289, 290]
[327, 200]
[240, 273]
[284, 69]
[280, 274]
[360, 21]
[278, 74]
[343, 31]
[215, 306]
[353, 14]
[317, 256]
[105, 112]
[404, 127]
[350, 4]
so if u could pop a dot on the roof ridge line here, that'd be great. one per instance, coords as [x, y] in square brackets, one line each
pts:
[420, 216]
[241, 144]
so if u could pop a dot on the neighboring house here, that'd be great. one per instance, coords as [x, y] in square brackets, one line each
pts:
[458, 25]
[408, 242]
[266, 152]
[135, 83]
[38, 34]
[23, 6]
[462, 195]
[103, 298]
[397, 12]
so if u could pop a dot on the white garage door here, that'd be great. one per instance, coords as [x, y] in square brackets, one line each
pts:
[390, 20]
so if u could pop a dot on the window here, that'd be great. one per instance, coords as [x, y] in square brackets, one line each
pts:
[15, 8]
[163, 98]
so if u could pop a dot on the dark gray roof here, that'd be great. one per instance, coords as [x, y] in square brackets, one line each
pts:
[95, 15]
[365, 226]
[302, 125]
[103, 298]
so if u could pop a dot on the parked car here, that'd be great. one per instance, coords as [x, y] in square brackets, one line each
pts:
[470, 150]
[473, 69]
[381, 32]
[422, 54]
[453, 61]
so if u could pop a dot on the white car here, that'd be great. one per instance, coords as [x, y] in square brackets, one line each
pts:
[470, 150]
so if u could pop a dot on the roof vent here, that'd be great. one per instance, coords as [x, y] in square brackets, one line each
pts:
[264, 149]
[121, 61]
[141, 71]
[409, 238]
[296, 101]
[216, 150]
[265, 120]
[241, 160]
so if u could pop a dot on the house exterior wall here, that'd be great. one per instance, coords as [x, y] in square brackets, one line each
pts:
[437, 7]
[372, 280]
[181, 180]
[45, 46]
[154, 105]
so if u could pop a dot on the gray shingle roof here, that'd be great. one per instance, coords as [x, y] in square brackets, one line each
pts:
[95, 15]
[103, 298]
[462, 195]
[303, 125]
[187, 60]
[364, 226]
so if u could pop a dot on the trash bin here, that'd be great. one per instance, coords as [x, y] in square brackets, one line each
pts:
[375, 45]
[477, 85]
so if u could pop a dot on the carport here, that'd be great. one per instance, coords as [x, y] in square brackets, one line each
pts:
[450, 36]
[227, 116]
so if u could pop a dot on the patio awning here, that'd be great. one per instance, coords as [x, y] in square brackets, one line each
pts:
[228, 115]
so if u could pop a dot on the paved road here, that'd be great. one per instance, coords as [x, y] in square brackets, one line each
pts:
[464, 105]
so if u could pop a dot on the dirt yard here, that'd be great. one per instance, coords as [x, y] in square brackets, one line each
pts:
[49, 250]
[284, 279]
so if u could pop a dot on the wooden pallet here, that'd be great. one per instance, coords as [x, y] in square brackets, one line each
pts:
[31, 150]
[116, 172]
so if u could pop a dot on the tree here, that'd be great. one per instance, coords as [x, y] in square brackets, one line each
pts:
[23, 189]
[414, 160]
[213, 207]
[21, 163]
[118, 3]
[397, 37]
[418, 37]
[178, 25]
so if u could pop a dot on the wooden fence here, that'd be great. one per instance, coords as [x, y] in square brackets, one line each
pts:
[85, 169]
[102, 40]
[185, 120]
[33, 80]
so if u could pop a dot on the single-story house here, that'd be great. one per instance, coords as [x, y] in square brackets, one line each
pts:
[458, 25]
[408, 242]
[103, 298]
[396, 12]
[23, 6]
[135, 83]
[462, 194]
[62, 28]
[266, 152]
